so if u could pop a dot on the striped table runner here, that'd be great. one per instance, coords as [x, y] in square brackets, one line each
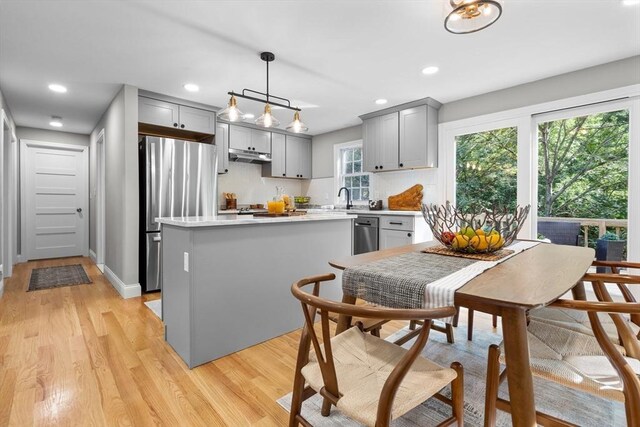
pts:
[415, 279]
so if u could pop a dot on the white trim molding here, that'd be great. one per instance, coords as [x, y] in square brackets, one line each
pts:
[125, 291]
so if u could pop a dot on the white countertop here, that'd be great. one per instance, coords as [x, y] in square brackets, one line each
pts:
[364, 212]
[207, 221]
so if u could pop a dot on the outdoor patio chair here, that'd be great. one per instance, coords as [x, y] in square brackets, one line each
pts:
[560, 232]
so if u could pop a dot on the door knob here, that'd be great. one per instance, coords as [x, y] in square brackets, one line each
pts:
[79, 210]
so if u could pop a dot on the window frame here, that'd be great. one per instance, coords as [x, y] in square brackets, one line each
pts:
[337, 162]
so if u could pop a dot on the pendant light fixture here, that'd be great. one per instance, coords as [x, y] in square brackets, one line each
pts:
[231, 113]
[469, 16]
[267, 119]
[296, 125]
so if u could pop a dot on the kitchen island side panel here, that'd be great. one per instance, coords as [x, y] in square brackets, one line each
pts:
[242, 276]
[176, 300]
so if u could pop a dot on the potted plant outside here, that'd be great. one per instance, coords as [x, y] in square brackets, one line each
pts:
[609, 247]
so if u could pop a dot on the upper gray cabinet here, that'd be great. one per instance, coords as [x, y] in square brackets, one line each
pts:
[298, 157]
[380, 147]
[245, 138]
[402, 137]
[168, 114]
[222, 143]
[290, 157]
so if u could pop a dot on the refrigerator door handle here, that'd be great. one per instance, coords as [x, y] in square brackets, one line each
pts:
[157, 239]
[152, 179]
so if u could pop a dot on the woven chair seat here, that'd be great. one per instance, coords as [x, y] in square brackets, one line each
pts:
[363, 364]
[574, 359]
[579, 321]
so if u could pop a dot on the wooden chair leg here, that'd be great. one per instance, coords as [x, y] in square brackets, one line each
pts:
[470, 326]
[493, 384]
[450, 336]
[495, 321]
[412, 325]
[326, 407]
[376, 332]
[457, 394]
[456, 317]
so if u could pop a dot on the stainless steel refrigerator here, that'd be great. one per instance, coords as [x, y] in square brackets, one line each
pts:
[177, 179]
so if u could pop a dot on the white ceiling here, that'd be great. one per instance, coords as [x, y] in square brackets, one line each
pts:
[336, 55]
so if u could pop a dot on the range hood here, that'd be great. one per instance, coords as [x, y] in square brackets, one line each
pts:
[245, 156]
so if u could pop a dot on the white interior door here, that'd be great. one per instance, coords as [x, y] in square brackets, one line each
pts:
[55, 199]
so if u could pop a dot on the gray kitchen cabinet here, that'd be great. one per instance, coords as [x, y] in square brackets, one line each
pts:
[398, 230]
[395, 238]
[197, 120]
[298, 157]
[278, 155]
[401, 137]
[169, 114]
[156, 112]
[416, 147]
[380, 143]
[244, 138]
[222, 143]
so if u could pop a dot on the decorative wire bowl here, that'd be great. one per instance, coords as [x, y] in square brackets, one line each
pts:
[484, 231]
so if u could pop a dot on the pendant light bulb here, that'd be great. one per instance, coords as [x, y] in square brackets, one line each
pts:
[266, 119]
[296, 125]
[231, 113]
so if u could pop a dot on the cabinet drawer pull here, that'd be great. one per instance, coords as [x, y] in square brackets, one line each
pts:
[284, 174]
[182, 126]
[408, 234]
[401, 165]
[380, 167]
[395, 223]
[376, 167]
[175, 125]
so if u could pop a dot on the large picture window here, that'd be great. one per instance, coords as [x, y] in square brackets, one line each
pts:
[350, 173]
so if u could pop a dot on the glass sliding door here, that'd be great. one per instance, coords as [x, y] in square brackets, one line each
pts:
[583, 178]
[486, 169]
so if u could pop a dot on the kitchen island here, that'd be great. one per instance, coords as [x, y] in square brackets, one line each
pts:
[226, 280]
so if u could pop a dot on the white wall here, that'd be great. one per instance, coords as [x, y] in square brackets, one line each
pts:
[603, 77]
[7, 204]
[245, 179]
[52, 136]
[120, 124]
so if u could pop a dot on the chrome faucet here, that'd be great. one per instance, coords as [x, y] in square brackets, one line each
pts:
[349, 205]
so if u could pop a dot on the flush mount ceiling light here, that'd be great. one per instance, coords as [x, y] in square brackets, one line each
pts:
[267, 120]
[54, 87]
[630, 2]
[190, 87]
[381, 101]
[56, 122]
[469, 16]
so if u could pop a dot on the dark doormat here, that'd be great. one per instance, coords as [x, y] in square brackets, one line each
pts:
[55, 277]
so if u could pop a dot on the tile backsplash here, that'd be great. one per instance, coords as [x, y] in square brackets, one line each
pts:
[323, 190]
[245, 179]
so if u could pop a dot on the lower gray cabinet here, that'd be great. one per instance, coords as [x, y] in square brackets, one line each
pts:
[395, 238]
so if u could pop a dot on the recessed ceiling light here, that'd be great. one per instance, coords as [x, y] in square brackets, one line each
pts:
[54, 87]
[190, 87]
[56, 122]
[630, 2]
[430, 70]
[248, 116]
[381, 101]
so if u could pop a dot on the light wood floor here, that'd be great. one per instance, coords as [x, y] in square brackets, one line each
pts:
[83, 356]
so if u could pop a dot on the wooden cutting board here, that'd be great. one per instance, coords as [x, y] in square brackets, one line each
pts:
[408, 200]
[273, 215]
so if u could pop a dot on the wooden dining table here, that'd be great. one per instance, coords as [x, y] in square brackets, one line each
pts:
[531, 279]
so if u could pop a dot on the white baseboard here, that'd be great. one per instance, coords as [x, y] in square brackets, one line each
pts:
[93, 256]
[1, 287]
[125, 291]
[21, 258]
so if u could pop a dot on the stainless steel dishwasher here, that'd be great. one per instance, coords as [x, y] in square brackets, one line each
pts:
[365, 234]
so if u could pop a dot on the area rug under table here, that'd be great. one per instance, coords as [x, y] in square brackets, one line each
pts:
[55, 277]
[574, 406]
